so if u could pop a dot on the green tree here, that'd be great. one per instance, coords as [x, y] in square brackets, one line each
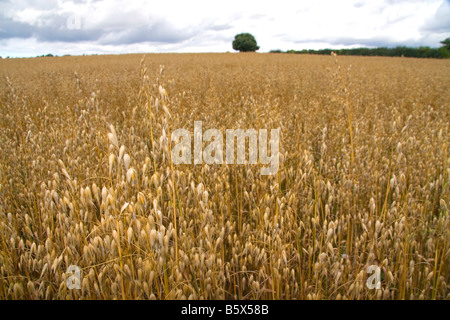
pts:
[245, 42]
[444, 52]
[446, 43]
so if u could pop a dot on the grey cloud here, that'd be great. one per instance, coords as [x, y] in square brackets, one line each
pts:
[49, 4]
[55, 29]
[213, 36]
[440, 22]
[369, 42]
[136, 29]
[106, 27]
[160, 32]
[220, 27]
[14, 29]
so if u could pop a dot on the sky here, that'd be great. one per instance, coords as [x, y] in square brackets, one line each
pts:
[31, 28]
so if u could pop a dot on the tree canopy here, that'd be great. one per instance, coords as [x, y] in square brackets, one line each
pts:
[446, 43]
[245, 42]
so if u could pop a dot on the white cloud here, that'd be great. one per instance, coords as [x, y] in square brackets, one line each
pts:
[29, 28]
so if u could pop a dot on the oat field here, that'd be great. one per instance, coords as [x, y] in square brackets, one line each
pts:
[87, 179]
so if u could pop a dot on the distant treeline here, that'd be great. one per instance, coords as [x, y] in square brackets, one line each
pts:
[420, 52]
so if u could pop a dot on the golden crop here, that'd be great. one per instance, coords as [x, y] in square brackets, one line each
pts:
[86, 178]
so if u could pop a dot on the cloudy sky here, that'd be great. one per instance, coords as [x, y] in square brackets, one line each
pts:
[30, 28]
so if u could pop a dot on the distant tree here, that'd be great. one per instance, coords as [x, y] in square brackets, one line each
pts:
[446, 43]
[444, 52]
[245, 42]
